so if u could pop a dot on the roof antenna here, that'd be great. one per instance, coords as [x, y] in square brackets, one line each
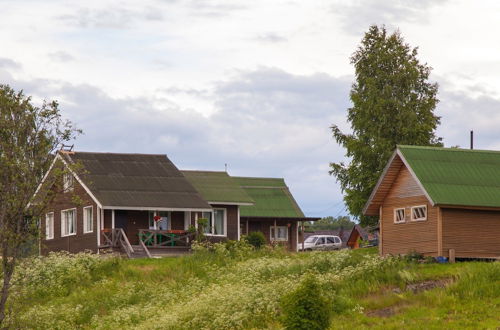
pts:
[471, 139]
[65, 147]
[225, 166]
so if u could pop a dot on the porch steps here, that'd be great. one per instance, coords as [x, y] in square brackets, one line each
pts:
[160, 252]
[139, 252]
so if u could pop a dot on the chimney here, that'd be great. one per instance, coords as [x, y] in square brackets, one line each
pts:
[471, 139]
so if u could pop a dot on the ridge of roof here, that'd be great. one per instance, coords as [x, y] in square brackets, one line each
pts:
[108, 153]
[399, 146]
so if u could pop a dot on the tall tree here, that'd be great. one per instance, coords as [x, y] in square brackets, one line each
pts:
[28, 137]
[393, 103]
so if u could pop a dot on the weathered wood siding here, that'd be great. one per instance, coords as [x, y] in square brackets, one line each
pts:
[471, 233]
[401, 238]
[264, 226]
[75, 243]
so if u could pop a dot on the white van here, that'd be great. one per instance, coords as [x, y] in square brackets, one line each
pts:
[321, 242]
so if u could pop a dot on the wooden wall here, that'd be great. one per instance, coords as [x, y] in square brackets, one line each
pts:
[471, 233]
[264, 226]
[232, 222]
[401, 238]
[80, 241]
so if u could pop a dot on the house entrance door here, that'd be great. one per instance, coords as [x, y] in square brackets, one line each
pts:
[121, 219]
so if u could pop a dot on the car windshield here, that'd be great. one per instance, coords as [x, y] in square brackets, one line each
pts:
[310, 239]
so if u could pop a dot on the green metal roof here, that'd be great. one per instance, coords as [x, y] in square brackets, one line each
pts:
[272, 198]
[217, 187]
[453, 176]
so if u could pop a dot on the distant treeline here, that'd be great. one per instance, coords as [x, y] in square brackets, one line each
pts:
[330, 223]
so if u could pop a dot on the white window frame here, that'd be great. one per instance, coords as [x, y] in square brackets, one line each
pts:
[63, 223]
[275, 229]
[68, 182]
[85, 227]
[396, 215]
[211, 225]
[49, 230]
[416, 207]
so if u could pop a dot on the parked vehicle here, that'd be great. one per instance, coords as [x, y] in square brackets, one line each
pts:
[321, 242]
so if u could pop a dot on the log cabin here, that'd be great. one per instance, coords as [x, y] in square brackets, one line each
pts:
[439, 202]
[142, 203]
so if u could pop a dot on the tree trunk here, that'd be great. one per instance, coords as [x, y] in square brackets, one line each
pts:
[8, 270]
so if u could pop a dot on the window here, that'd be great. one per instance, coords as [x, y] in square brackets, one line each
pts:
[208, 227]
[311, 239]
[281, 233]
[399, 215]
[320, 241]
[161, 221]
[49, 225]
[330, 240]
[68, 182]
[216, 224]
[88, 223]
[68, 222]
[337, 240]
[419, 213]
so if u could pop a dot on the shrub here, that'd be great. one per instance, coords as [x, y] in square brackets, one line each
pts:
[256, 239]
[306, 307]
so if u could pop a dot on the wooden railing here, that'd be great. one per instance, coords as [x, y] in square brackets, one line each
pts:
[116, 238]
[165, 238]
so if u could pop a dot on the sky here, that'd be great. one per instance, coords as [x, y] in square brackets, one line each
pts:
[253, 84]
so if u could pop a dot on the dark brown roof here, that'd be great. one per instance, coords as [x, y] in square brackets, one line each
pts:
[136, 180]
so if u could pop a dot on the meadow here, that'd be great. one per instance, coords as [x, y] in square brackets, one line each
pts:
[235, 287]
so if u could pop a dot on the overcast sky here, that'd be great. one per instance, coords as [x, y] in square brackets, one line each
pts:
[254, 84]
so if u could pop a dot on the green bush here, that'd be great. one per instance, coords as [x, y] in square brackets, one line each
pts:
[306, 307]
[256, 239]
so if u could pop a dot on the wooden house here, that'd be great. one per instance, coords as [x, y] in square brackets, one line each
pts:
[359, 237]
[140, 202]
[439, 202]
[269, 206]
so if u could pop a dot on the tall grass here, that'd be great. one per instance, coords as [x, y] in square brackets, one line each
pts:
[219, 287]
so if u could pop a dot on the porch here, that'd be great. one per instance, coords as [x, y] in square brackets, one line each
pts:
[140, 233]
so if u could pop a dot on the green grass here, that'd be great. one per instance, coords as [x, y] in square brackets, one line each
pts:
[239, 288]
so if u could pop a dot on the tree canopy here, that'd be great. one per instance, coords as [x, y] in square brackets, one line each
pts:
[393, 103]
[28, 137]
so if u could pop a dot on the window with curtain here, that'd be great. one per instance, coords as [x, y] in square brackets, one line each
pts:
[88, 224]
[281, 233]
[68, 222]
[49, 225]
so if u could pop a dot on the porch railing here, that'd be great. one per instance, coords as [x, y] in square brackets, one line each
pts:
[116, 238]
[165, 238]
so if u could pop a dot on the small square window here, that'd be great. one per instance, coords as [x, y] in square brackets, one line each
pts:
[419, 213]
[281, 233]
[399, 215]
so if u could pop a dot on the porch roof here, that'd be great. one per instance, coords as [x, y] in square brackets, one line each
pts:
[136, 180]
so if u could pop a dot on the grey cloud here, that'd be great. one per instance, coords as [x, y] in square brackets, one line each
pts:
[213, 8]
[271, 38]
[7, 63]
[110, 18]
[461, 113]
[356, 16]
[268, 123]
[61, 56]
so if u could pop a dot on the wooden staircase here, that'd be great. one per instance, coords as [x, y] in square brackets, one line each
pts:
[117, 239]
